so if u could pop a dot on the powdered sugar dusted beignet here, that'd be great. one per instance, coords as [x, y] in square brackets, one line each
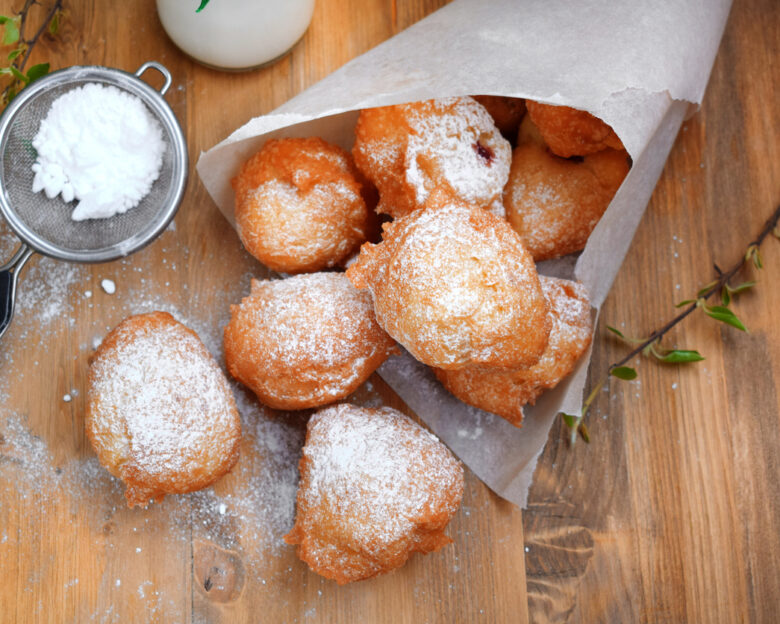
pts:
[571, 132]
[160, 413]
[455, 286]
[554, 203]
[451, 144]
[375, 487]
[304, 341]
[505, 392]
[301, 205]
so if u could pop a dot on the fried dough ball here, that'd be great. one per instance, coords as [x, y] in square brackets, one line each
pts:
[301, 205]
[571, 132]
[304, 341]
[160, 414]
[554, 203]
[505, 392]
[507, 112]
[455, 286]
[409, 150]
[375, 487]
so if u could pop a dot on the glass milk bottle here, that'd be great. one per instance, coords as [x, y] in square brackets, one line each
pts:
[235, 34]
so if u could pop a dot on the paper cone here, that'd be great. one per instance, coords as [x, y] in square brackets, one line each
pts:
[638, 65]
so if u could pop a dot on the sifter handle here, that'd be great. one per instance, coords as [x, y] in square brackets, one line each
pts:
[160, 68]
[9, 274]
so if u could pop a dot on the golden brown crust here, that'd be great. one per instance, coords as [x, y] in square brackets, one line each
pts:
[571, 132]
[554, 203]
[505, 392]
[451, 144]
[304, 341]
[301, 205]
[455, 286]
[160, 414]
[375, 487]
[507, 112]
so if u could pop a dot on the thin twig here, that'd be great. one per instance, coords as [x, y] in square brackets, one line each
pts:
[771, 226]
[723, 279]
[30, 43]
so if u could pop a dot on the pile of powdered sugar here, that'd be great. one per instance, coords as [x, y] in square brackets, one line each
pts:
[101, 146]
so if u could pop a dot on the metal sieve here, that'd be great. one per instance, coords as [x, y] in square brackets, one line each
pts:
[44, 225]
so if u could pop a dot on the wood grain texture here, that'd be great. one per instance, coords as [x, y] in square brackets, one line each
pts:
[69, 549]
[671, 513]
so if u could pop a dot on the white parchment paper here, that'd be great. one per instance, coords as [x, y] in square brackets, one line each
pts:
[641, 66]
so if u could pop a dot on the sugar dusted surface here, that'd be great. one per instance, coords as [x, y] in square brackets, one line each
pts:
[158, 402]
[319, 228]
[454, 285]
[505, 392]
[554, 203]
[299, 310]
[307, 338]
[300, 205]
[370, 480]
[448, 133]
[410, 150]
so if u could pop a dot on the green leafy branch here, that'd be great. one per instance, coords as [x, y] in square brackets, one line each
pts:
[651, 345]
[14, 33]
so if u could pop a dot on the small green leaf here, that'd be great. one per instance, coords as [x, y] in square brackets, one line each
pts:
[680, 356]
[202, 6]
[36, 71]
[11, 28]
[615, 331]
[584, 433]
[754, 255]
[743, 286]
[685, 303]
[624, 372]
[18, 75]
[14, 53]
[705, 289]
[569, 419]
[733, 290]
[724, 315]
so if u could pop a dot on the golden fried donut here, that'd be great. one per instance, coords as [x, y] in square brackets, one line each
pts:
[507, 112]
[375, 487]
[301, 205]
[455, 286]
[571, 132]
[409, 150]
[304, 341]
[505, 392]
[554, 203]
[160, 414]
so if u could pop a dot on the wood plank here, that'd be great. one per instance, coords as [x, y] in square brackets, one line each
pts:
[69, 547]
[670, 514]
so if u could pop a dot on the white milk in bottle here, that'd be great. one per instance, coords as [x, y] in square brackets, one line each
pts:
[235, 34]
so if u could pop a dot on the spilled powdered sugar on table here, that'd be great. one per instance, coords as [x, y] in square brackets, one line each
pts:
[47, 464]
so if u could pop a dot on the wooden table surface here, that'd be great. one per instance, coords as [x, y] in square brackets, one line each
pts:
[671, 514]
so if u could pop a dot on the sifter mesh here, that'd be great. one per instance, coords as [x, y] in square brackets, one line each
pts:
[45, 224]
